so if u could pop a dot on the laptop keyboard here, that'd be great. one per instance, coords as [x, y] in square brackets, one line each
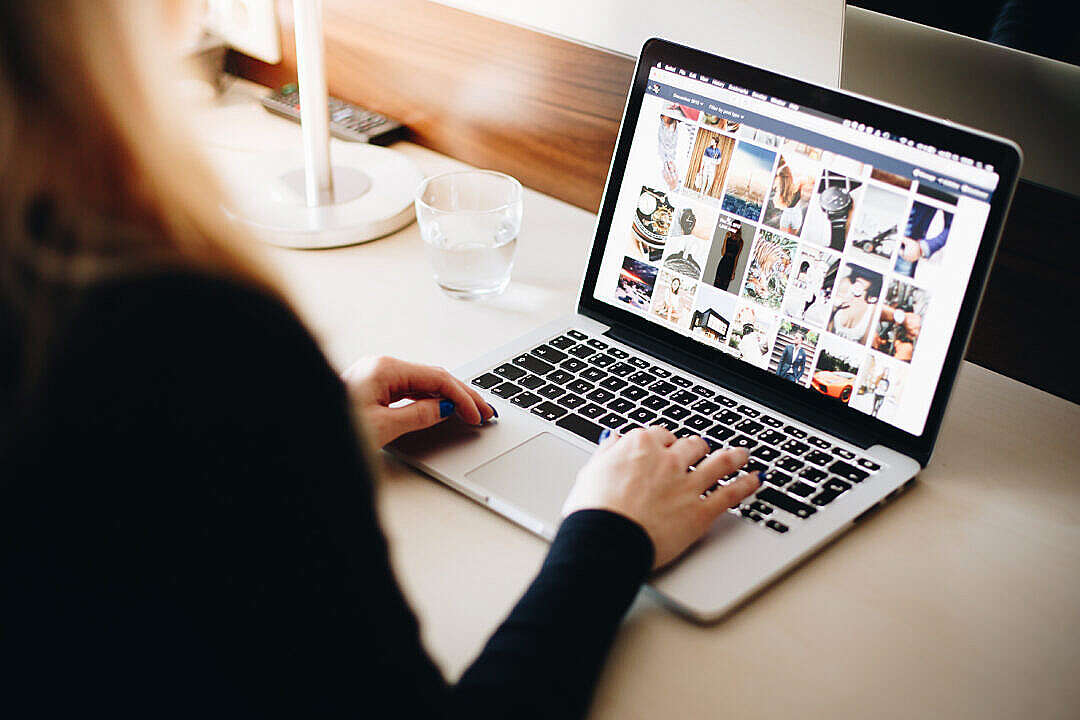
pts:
[583, 385]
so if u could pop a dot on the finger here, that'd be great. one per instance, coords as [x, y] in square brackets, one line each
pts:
[608, 438]
[730, 495]
[718, 465]
[437, 381]
[689, 450]
[660, 434]
[415, 416]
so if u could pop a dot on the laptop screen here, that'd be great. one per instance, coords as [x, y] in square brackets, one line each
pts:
[816, 248]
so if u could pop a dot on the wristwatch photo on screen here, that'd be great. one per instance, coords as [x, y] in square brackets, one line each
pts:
[836, 202]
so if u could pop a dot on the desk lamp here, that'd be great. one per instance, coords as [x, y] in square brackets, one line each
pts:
[303, 200]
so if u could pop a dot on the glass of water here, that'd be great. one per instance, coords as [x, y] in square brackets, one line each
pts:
[470, 221]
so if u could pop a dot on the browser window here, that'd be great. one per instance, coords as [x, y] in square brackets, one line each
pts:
[826, 252]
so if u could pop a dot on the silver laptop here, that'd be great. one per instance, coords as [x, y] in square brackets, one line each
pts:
[776, 266]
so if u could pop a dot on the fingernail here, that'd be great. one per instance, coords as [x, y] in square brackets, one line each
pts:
[743, 454]
[446, 407]
[760, 475]
[494, 417]
[605, 434]
[494, 412]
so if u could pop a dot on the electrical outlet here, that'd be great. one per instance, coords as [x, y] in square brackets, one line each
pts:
[250, 26]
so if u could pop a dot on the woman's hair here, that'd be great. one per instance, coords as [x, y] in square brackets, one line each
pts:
[786, 189]
[97, 179]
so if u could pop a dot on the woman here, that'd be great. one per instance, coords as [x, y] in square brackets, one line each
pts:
[188, 517]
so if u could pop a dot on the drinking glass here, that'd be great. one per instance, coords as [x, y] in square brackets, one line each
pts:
[470, 220]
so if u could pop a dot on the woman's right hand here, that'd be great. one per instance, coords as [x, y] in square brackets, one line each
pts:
[645, 477]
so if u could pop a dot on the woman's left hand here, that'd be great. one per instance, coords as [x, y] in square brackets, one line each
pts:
[375, 383]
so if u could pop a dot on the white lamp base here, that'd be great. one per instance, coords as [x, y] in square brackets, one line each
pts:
[268, 196]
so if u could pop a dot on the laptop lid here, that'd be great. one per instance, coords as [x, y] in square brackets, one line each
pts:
[818, 251]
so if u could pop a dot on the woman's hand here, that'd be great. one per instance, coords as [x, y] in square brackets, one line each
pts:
[644, 476]
[375, 383]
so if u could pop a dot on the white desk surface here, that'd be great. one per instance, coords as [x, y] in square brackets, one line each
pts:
[959, 600]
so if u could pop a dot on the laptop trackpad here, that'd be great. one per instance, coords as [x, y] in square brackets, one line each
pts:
[535, 477]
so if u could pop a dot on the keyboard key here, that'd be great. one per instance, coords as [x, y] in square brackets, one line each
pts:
[685, 432]
[663, 388]
[750, 514]
[666, 422]
[836, 485]
[506, 390]
[869, 464]
[634, 393]
[660, 372]
[818, 442]
[613, 420]
[681, 381]
[750, 427]
[621, 369]
[776, 477]
[761, 507]
[812, 474]
[726, 401]
[684, 398]
[728, 417]
[789, 463]
[848, 472]
[705, 407]
[549, 354]
[509, 372]
[639, 363]
[817, 457]
[592, 374]
[601, 360]
[580, 426]
[549, 411]
[577, 334]
[824, 497]
[772, 437]
[749, 411]
[785, 502]
[620, 405]
[572, 365]
[703, 391]
[655, 402]
[714, 445]
[582, 351]
[531, 382]
[794, 447]
[580, 386]
[487, 380]
[743, 442]
[642, 416]
[777, 526]
[562, 343]
[697, 422]
[592, 411]
[560, 377]
[766, 453]
[770, 421]
[525, 399]
[629, 427]
[598, 344]
[720, 432]
[754, 466]
[801, 489]
[612, 383]
[844, 453]
[795, 432]
[533, 364]
[600, 395]
[642, 378]
[675, 412]
[572, 401]
[551, 391]
[619, 353]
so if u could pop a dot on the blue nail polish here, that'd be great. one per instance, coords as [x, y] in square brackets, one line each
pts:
[446, 407]
[605, 434]
[494, 412]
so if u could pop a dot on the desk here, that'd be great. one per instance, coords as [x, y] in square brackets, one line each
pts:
[960, 600]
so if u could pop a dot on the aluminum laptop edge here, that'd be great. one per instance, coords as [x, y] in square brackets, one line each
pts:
[897, 168]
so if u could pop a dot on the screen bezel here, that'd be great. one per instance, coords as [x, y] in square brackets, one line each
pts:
[728, 371]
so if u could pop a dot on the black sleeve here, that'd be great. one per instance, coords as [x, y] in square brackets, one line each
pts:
[239, 564]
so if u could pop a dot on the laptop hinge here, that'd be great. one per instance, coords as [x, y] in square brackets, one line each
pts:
[739, 385]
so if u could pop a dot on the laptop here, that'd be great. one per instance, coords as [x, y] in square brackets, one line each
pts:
[777, 266]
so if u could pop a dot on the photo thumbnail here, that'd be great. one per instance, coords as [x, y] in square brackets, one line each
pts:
[730, 249]
[792, 188]
[877, 224]
[759, 137]
[751, 334]
[713, 316]
[652, 223]
[636, 281]
[748, 181]
[690, 237]
[674, 141]
[793, 352]
[837, 368]
[925, 237]
[791, 147]
[854, 300]
[828, 216]
[904, 183]
[902, 312]
[843, 165]
[708, 163]
[810, 289]
[879, 388]
[770, 268]
[673, 298]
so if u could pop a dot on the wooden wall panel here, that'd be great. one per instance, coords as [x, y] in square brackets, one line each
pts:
[547, 111]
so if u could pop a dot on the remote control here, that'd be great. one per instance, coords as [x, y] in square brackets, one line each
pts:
[347, 121]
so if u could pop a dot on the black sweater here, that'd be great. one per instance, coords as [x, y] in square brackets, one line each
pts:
[188, 530]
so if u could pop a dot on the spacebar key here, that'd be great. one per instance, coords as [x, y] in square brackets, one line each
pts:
[785, 502]
[580, 426]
